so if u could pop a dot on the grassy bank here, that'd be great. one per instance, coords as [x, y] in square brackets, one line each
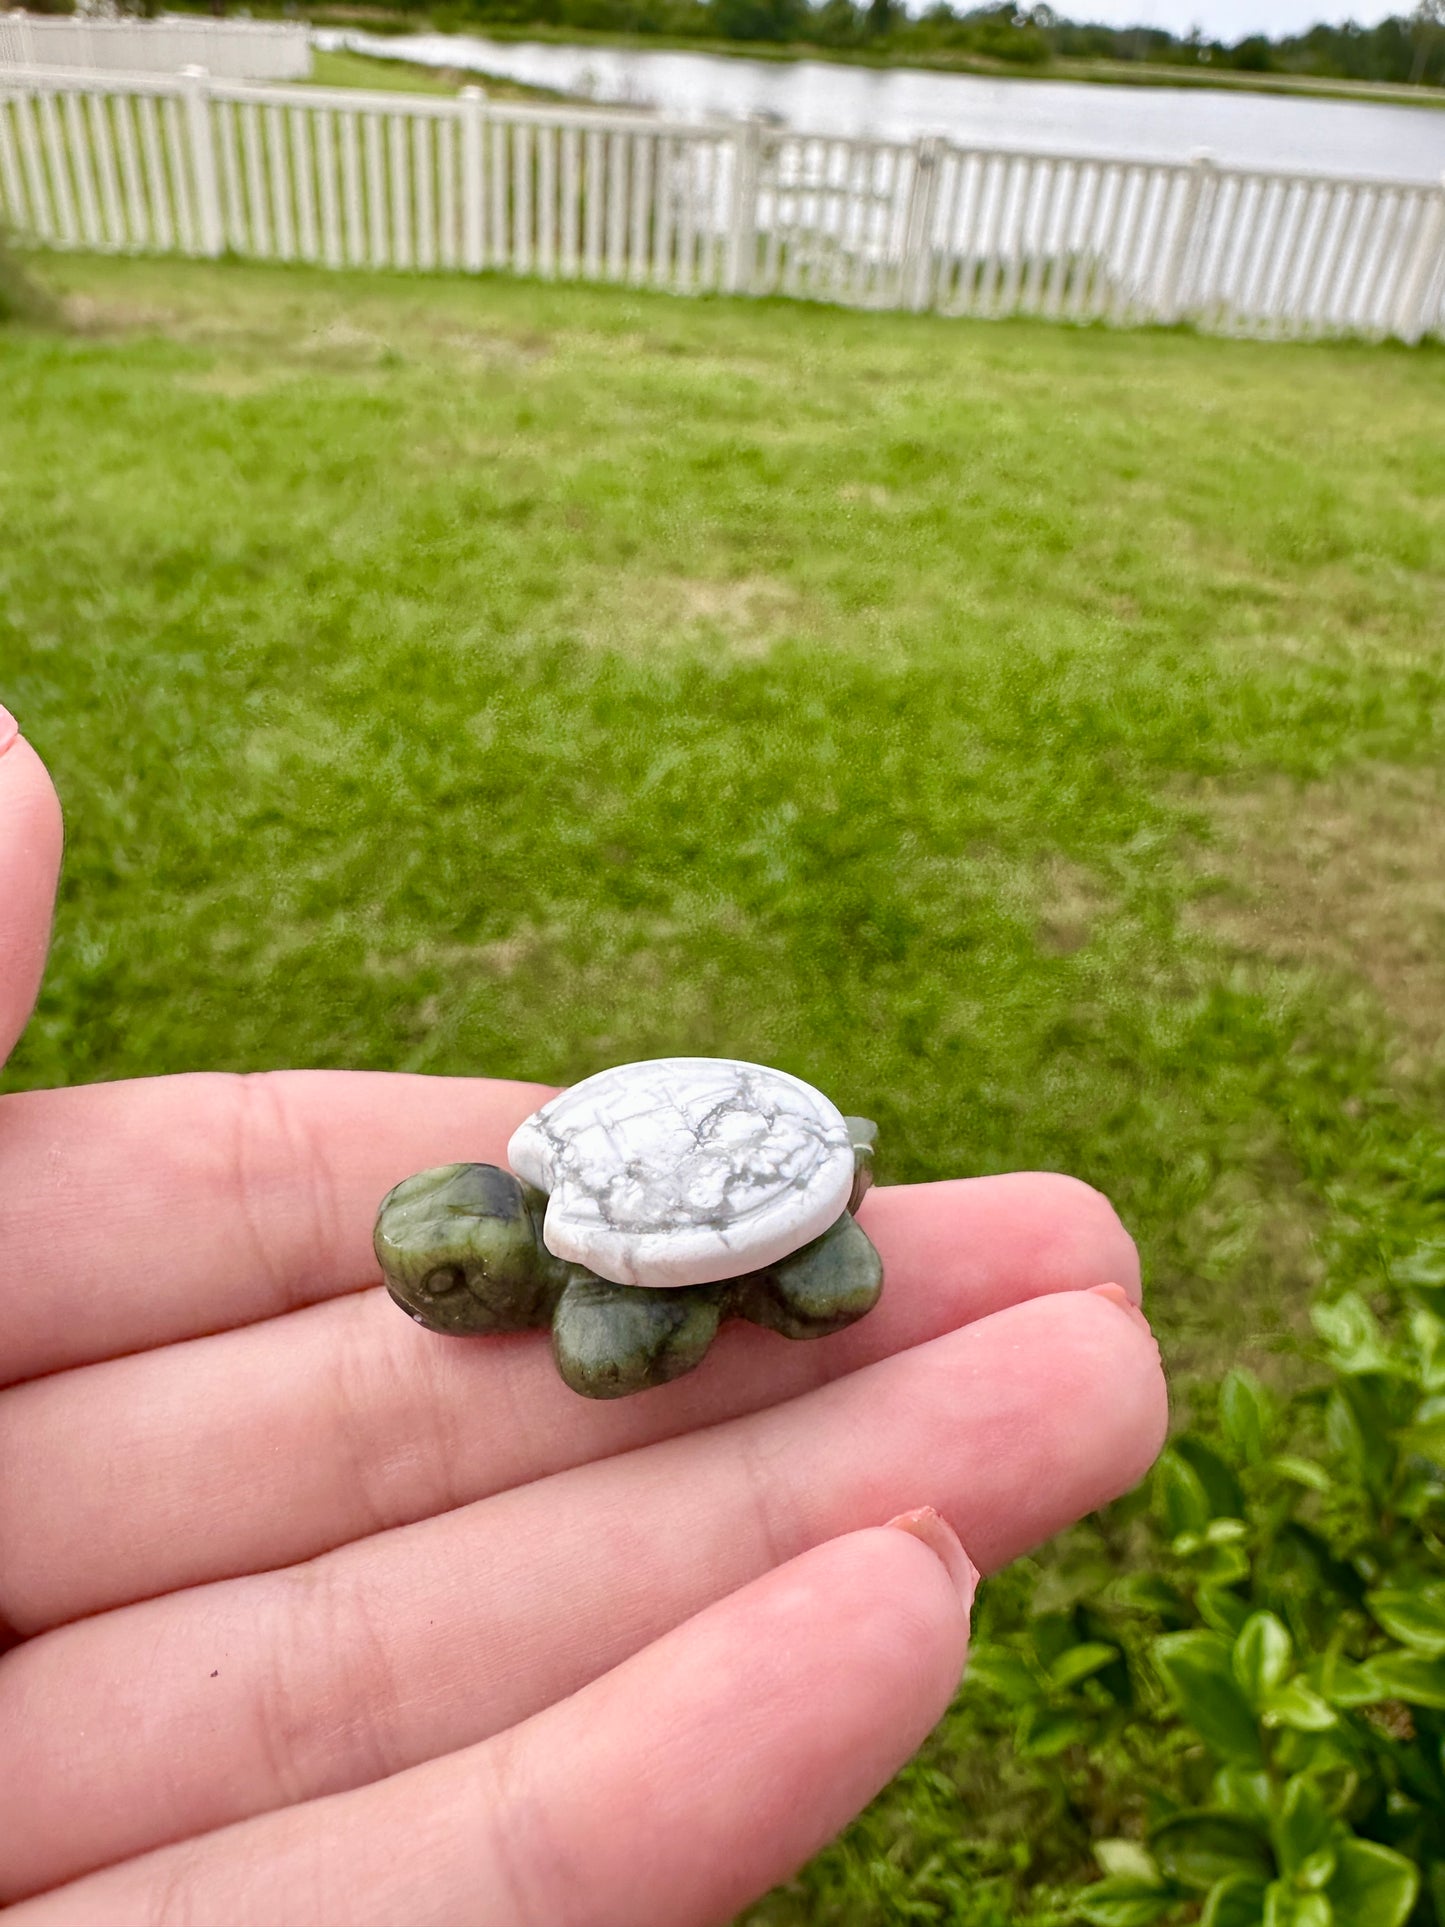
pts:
[340, 68]
[1030, 735]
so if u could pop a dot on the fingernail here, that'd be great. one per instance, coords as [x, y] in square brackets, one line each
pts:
[939, 1536]
[1117, 1295]
[9, 729]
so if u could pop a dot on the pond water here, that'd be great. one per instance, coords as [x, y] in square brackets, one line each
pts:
[900, 103]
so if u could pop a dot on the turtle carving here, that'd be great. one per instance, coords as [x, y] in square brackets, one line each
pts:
[643, 1207]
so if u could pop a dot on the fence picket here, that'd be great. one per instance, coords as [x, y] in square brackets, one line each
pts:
[522, 198]
[102, 147]
[400, 194]
[547, 201]
[571, 208]
[423, 195]
[82, 159]
[331, 248]
[446, 133]
[12, 193]
[176, 146]
[303, 177]
[498, 254]
[59, 175]
[351, 189]
[233, 215]
[280, 180]
[1388, 254]
[27, 115]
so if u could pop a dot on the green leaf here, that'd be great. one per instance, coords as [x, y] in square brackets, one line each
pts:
[1221, 1486]
[1303, 1471]
[1415, 1615]
[1236, 1902]
[999, 1671]
[1286, 1906]
[1315, 1870]
[1150, 1592]
[1263, 1656]
[1126, 1859]
[1403, 1676]
[1045, 1732]
[1373, 1886]
[1223, 1611]
[1304, 1825]
[1426, 1436]
[1424, 1268]
[1090, 1656]
[1428, 1332]
[1351, 1335]
[1125, 1903]
[1198, 1671]
[1181, 1495]
[1249, 1794]
[1198, 1849]
[1355, 1433]
[1245, 1414]
[1300, 1707]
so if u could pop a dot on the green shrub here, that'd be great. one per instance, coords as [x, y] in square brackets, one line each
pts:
[1266, 1680]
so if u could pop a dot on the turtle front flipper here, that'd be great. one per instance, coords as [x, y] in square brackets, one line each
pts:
[610, 1340]
[820, 1289]
[460, 1251]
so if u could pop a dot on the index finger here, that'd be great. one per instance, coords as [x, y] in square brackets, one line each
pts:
[138, 1214]
[29, 865]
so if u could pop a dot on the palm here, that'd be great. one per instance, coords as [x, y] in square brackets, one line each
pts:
[267, 1542]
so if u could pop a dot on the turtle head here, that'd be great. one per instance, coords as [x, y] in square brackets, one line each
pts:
[459, 1250]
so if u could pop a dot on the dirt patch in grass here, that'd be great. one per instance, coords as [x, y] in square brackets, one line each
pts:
[748, 615]
[1071, 898]
[1345, 877]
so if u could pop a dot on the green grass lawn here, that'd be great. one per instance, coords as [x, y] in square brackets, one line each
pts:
[1030, 735]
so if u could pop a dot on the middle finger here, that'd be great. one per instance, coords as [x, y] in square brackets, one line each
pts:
[259, 1447]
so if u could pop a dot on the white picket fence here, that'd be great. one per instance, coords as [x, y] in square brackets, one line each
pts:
[230, 49]
[200, 166]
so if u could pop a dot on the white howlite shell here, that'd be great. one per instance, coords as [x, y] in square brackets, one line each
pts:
[685, 1170]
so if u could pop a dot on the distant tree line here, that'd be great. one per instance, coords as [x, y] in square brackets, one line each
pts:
[1402, 48]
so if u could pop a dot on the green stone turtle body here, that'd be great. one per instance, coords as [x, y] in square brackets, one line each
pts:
[463, 1251]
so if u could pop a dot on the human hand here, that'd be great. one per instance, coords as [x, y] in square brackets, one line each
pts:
[320, 1617]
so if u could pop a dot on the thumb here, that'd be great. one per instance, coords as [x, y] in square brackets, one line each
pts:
[30, 839]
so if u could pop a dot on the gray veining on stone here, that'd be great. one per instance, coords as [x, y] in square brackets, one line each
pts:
[685, 1170]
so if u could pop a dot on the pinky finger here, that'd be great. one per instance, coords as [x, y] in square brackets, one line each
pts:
[673, 1790]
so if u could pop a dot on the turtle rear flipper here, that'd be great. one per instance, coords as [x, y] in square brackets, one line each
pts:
[820, 1289]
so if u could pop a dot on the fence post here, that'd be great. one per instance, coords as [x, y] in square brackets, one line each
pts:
[473, 204]
[916, 274]
[743, 217]
[1420, 270]
[1188, 238]
[203, 158]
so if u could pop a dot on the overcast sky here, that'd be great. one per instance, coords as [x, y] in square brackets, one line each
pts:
[1225, 19]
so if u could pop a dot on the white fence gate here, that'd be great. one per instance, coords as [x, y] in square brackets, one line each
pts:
[230, 49]
[201, 166]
